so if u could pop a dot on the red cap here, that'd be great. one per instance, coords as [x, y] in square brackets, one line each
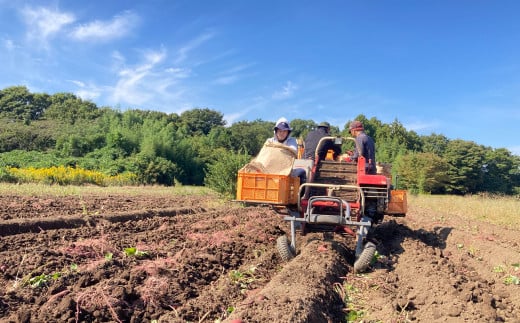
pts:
[356, 125]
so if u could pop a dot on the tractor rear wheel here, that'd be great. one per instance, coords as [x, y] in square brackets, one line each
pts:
[284, 248]
[365, 258]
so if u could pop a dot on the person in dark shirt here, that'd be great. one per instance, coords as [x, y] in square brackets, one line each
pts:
[312, 140]
[365, 146]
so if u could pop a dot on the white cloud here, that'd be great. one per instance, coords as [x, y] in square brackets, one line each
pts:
[139, 84]
[9, 44]
[232, 117]
[515, 150]
[118, 61]
[178, 73]
[232, 75]
[117, 56]
[78, 83]
[238, 68]
[224, 80]
[119, 26]
[154, 57]
[421, 127]
[86, 92]
[183, 52]
[42, 23]
[287, 91]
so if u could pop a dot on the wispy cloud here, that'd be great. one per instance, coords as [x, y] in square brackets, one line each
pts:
[229, 79]
[231, 118]
[8, 44]
[43, 23]
[178, 73]
[238, 68]
[97, 30]
[183, 52]
[77, 83]
[421, 126]
[138, 84]
[232, 75]
[86, 91]
[286, 92]
[515, 150]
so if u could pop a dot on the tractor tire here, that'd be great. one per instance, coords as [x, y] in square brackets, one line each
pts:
[365, 258]
[284, 248]
[303, 229]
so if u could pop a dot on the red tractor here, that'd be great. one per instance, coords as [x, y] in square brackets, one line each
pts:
[338, 197]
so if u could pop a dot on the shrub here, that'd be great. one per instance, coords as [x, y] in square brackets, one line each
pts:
[65, 176]
[5, 176]
[222, 174]
[155, 170]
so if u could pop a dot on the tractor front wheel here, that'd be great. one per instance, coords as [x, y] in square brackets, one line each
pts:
[284, 248]
[365, 258]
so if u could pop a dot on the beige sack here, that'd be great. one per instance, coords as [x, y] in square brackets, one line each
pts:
[273, 158]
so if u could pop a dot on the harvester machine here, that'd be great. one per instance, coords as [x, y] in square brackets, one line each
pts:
[338, 197]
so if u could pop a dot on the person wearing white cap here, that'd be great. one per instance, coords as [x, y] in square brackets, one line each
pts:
[282, 134]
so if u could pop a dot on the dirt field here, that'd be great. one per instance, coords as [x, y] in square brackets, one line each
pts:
[132, 258]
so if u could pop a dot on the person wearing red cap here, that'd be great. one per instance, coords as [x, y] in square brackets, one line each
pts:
[365, 146]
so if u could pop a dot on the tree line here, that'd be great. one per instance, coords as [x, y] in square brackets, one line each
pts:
[196, 147]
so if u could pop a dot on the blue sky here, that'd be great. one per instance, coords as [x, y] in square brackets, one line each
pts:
[448, 67]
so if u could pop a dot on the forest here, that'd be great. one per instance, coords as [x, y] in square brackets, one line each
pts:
[43, 136]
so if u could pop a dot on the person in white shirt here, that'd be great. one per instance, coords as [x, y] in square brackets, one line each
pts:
[282, 135]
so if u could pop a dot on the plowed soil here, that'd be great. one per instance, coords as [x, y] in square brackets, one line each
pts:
[140, 258]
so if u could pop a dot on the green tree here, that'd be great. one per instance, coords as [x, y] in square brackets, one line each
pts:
[187, 159]
[302, 127]
[466, 160]
[371, 126]
[220, 137]
[250, 136]
[391, 140]
[79, 139]
[499, 170]
[39, 135]
[69, 108]
[201, 121]
[515, 175]
[421, 173]
[435, 144]
[17, 103]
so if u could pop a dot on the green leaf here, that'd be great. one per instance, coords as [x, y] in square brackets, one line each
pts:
[39, 281]
[108, 256]
[130, 251]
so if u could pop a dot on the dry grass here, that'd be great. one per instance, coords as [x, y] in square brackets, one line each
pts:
[90, 248]
[214, 239]
[157, 266]
[153, 290]
[95, 298]
[499, 210]
[57, 190]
